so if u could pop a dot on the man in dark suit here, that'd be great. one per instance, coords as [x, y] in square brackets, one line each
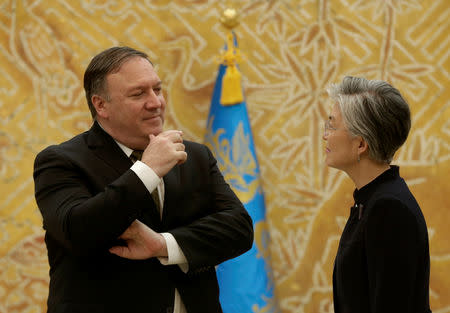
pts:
[139, 234]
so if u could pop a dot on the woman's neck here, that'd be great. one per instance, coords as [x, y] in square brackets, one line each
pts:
[366, 171]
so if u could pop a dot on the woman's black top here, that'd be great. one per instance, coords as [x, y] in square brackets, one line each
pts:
[383, 260]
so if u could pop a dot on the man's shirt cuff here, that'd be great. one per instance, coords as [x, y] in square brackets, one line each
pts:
[174, 252]
[146, 175]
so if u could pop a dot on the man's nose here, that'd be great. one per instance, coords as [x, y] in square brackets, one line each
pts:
[152, 101]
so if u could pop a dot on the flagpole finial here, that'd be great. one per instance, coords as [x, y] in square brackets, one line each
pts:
[230, 18]
[231, 83]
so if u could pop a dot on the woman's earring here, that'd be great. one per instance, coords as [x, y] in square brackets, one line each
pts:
[358, 158]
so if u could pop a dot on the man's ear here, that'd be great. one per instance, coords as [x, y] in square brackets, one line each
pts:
[100, 106]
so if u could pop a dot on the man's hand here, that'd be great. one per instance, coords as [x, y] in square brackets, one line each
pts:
[142, 243]
[164, 151]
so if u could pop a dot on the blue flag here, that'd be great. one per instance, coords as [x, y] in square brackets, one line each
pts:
[245, 284]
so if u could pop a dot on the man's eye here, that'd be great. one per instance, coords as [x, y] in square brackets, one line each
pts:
[137, 94]
[157, 90]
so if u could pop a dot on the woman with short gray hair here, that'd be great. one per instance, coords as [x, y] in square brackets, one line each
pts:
[383, 261]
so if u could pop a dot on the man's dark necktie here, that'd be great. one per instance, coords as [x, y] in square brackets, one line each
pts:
[135, 156]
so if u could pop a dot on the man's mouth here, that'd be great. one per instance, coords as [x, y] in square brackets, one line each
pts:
[151, 117]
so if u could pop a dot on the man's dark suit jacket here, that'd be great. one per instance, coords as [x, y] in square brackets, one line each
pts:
[88, 196]
[383, 259]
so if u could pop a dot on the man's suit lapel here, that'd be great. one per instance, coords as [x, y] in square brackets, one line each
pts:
[171, 185]
[104, 146]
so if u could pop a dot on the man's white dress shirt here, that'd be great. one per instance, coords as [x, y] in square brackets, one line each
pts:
[175, 254]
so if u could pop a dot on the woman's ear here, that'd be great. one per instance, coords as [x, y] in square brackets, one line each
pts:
[363, 146]
[99, 105]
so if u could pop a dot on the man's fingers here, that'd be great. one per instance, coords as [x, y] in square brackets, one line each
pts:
[119, 251]
[179, 147]
[130, 231]
[163, 151]
[182, 157]
[176, 137]
[126, 235]
[127, 253]
[172, 135]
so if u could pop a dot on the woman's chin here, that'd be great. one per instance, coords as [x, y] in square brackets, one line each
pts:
[330, 164]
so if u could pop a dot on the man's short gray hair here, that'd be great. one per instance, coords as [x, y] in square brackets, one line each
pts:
[376, 111]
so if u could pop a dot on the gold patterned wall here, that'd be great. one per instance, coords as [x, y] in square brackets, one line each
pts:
[293, 50]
